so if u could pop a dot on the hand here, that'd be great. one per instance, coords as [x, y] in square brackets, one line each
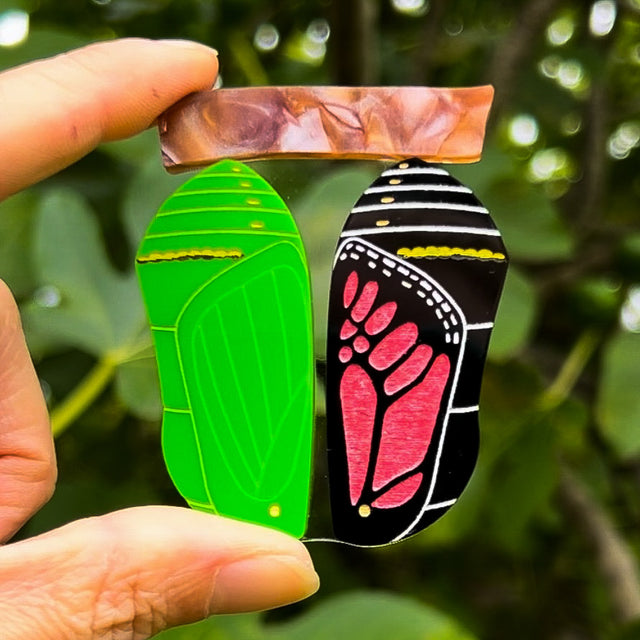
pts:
[135, 572]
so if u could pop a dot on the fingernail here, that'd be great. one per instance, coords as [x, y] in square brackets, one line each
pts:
[189, 44]
[263, 582]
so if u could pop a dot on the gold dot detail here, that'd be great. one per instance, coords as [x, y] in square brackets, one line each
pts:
[403, 165]
[236, 169]
[364, 510]
[253, 201]
[275, 511]
[245, 185]
[382, 223]
[257, 224]
[395, 181]
[387, 200]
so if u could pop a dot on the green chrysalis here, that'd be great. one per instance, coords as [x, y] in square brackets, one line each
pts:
[226, 286]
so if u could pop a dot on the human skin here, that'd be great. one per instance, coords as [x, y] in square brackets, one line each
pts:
[129, 574]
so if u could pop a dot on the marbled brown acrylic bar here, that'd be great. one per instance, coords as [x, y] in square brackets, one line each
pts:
[439, 125]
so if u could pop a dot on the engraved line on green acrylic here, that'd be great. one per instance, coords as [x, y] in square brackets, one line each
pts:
[236, 380]
[247, 191]
[216, 437]
[227, 417]
[252, 325]
[165, 214]
[157, 328]
[220, 273]
[278, 302]
[177, 410]
[281, 424]
[204, 232]
[193, 425]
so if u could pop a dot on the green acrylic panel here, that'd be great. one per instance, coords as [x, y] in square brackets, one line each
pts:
[226, 286]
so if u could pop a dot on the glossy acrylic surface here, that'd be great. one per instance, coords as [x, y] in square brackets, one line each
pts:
[226, 286]
[417, 277]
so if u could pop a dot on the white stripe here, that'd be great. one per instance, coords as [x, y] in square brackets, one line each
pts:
[440, 505]
[448, 206]
[465, 409]
[480, 325]
[432, 228]
[432, 171]
[444, 188]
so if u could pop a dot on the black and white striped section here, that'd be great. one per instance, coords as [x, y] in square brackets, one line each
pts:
[415, 185]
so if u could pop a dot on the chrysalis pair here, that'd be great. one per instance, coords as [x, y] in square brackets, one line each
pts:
[417, 277]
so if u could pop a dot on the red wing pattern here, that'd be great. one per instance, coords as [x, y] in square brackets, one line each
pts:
[409, 421]
[414, 291]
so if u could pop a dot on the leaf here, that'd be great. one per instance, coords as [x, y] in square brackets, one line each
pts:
[320, 213]
[138, 151]
[516, 316]
[138, 387]
[374, 615]
[16, 222]
[238, 627]
[150, 187]
[618, 402]
[522, 483]
[528, 220]
[100, 310]
[41, 43]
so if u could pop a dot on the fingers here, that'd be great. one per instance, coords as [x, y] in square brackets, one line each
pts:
[55, 111]
[135, 572]
[27, 459]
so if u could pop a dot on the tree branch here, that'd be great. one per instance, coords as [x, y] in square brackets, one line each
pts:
[354, 43]
[515, 48]
[428, 46]
[613, 557]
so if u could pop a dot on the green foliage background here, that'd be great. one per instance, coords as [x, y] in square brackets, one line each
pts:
[544, 542]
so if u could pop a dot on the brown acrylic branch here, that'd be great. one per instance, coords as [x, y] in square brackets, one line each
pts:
[439, 125]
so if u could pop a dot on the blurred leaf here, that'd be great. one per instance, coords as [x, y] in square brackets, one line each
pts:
[320, 213]
[239, 627]
[371, 615]
[16, 222]
[516, 316]
[100, 310]
[595, 300]
[149, 188]
[137, 151]
[507, 403]
[618, 402]
[522, 483]
[138, 387]
[529, 222]
[41, 43]
[88, 496]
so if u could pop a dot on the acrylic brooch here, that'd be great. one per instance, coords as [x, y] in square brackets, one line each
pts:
[417, 277]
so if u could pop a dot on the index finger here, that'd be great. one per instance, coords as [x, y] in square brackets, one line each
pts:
[55, 111]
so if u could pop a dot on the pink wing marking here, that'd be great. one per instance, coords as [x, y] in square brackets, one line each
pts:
[365, 301]
[360, 344]
[345, 354]
[380, 318]
[358, 399]
[411, 369]
[350, 289]
[393, 346]
[408, 425]
[348, 329]
[398, 495]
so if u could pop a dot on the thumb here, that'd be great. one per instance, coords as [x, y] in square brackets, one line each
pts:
[133, 573]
